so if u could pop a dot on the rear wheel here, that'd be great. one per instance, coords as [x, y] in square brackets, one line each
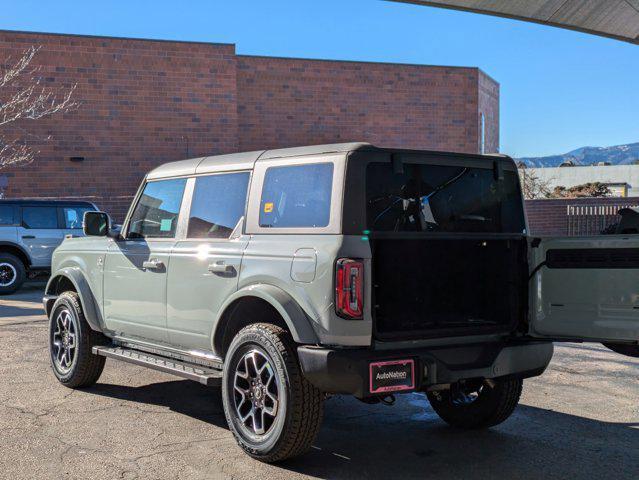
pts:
[272, 410]
[12, 273]
[70, 343]
[477, 404]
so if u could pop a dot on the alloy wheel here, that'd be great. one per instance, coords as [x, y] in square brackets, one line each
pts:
[64, 340]
[256, 392]
[8, 274]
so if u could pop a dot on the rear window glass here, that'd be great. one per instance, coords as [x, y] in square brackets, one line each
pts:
[298, 196]
[6, 215]
[40, 217]
[442, 198]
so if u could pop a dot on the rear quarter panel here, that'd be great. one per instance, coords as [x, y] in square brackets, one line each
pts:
[286, 261]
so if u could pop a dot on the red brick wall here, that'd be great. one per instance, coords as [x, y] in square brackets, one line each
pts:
[287, 102]
[549, 218]
[144, 103]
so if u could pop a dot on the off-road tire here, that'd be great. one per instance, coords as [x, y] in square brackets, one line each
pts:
[86, 367]
[493, 405]
[294, 428]
[20, 273]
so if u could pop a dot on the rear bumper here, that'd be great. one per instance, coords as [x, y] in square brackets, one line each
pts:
[346, 371]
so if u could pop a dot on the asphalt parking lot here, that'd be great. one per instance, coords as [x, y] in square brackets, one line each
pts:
[579, 420]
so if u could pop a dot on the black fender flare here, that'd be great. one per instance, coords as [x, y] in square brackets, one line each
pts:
[298, 323]
[17, 247]
[87, 299]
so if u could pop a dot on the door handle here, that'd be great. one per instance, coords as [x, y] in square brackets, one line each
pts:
[221, 267]
[153, 264]
[27, 237]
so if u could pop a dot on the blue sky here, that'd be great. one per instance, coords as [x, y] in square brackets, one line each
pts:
[559, 89]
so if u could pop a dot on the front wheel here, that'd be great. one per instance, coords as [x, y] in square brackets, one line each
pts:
[475, 404]
[272, 410]
[70, 343]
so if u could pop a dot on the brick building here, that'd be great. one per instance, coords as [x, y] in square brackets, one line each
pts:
[146, 102]
[575, 216]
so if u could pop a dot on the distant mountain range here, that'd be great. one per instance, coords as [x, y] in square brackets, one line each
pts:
[618, 155]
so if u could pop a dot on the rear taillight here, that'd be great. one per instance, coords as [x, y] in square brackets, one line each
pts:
[349, 288]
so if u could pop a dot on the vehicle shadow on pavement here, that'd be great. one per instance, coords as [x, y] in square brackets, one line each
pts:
[20, 311]
[409, 441]
[24, 306]
[180, 396]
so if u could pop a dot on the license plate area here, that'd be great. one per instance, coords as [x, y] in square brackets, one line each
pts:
[392, 376]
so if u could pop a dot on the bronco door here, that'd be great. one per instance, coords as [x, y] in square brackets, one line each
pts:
[585, 288]
[205, 266]
[40, 233]
[135, 271]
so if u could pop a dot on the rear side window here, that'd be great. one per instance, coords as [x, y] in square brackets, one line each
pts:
[6, 215]
[157, 211]
[40, 217]
[218, 204]
[297, 196]
[73, 216]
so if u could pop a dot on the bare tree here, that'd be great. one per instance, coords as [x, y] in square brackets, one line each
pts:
[23, 98]
[533, 186]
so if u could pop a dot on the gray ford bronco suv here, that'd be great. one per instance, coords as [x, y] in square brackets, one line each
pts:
[286, 276]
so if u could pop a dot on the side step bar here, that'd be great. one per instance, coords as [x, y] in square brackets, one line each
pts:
[199, 373]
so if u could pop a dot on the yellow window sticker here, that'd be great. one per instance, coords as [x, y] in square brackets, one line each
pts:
[268, 207]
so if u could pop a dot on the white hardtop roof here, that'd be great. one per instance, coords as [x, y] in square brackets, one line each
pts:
[245, 160]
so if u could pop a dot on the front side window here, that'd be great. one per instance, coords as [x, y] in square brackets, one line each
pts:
[298, 196]
[157, 211]
[218, 204]
[73, 216]
[40, 217]
[6, 215]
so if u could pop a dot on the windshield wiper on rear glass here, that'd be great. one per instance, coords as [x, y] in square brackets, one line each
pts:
[423, 201]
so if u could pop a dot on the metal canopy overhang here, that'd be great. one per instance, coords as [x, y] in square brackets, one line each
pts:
[618, 19]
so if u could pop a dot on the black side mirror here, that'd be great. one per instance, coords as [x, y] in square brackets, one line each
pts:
[96, 224]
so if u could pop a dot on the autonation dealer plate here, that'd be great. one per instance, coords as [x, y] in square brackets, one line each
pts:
[392, 376]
